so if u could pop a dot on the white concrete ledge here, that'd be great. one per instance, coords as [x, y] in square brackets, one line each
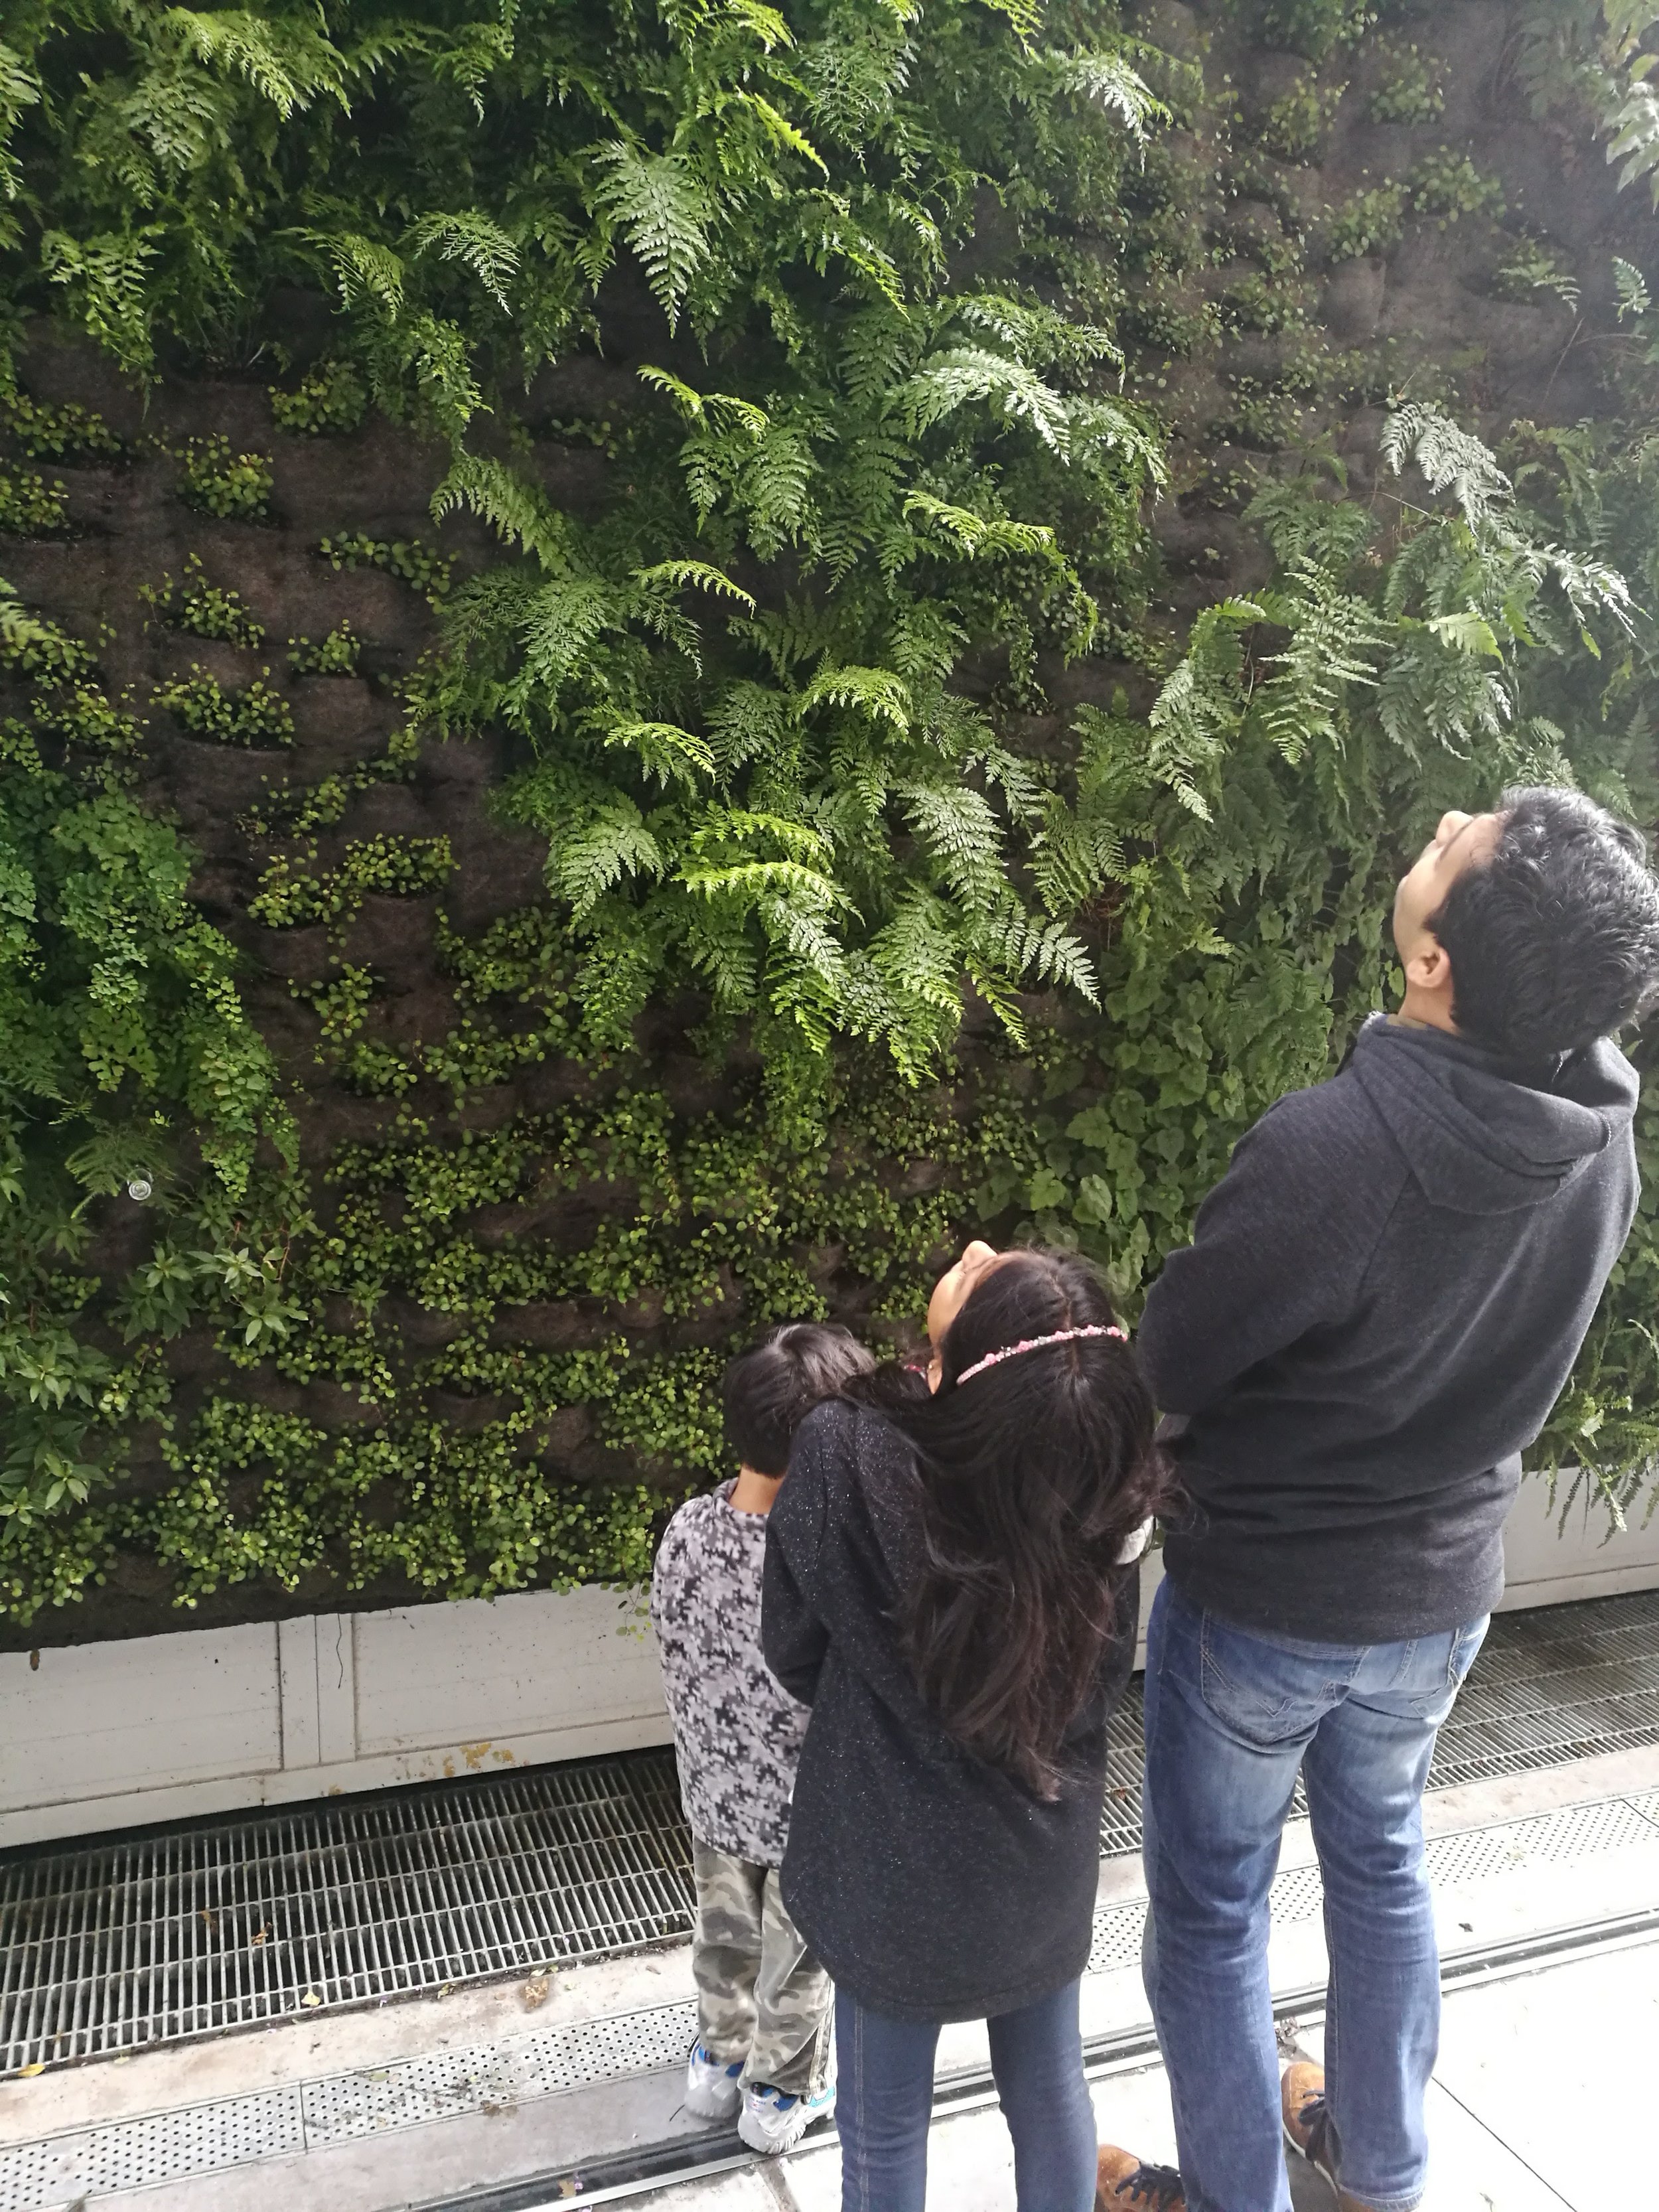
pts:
[166, 1728]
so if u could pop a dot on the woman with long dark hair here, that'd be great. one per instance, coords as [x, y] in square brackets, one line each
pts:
[951, 1584]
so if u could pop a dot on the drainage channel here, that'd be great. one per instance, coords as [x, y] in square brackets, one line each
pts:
[172, 1933]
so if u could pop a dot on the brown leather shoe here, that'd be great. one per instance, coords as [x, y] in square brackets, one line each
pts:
[1125, 2183]
[1308, 2126]
[1307, 2118]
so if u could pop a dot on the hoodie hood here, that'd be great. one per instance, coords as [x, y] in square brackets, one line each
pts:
[1483, 1138]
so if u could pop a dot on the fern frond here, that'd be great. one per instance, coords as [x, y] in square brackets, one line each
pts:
[773, 488]
[477, 242]
[722, 407]
[612, 843]
[749, 881]
[1200, 707]
[1467, 632]
[923, 645]
[727, 824]
[560, 623]
[1446, 456]
[750, 721]
[702, 575]
[917, 955]
[663, 213]
[800, 631]
[856, 72]
[289, 65]
[365, 271]
[667, 753]
[1108, 81]
[1635, 142]
[782, 132]
[957, 828]
[1022, 782]
[975, 534]
[1073, 858]
[1630, 290]
[516, 510]
[956, 728]
[19, 90]
[877, 692]
[1024, 17]
[721, 949]
[960, 374]
[1053, 955]
[1334, 637]
[878, 345]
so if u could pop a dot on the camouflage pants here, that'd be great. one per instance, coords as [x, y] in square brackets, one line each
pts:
[762, 1996]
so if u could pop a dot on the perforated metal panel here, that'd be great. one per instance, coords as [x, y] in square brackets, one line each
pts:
[1125, 1753]
[1117, 1937]
[1296, 1895]
[239, 2131]
[1560, 1683]
[1575, 1833]
[494, 2078]
[138, 2154]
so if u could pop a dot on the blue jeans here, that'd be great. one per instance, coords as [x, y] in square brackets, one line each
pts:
[1230, 1715]
[884, 2100]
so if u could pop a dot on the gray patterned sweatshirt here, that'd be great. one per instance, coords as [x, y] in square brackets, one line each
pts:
[737, 1734]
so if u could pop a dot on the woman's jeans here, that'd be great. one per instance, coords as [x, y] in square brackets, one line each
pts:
[1230, 1715]
[884, 2100]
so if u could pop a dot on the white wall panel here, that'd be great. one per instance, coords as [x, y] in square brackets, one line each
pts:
[437, 1675]
[98, 1720]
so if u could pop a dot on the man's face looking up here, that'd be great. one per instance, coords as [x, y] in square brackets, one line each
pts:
[1460, 841]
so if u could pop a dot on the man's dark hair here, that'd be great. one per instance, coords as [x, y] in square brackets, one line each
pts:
[1554, 941]
[771, 1389]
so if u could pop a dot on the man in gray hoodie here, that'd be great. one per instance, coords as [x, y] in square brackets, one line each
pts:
[1381, 1301]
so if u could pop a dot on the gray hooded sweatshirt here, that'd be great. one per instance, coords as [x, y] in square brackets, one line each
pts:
[1383, 1297]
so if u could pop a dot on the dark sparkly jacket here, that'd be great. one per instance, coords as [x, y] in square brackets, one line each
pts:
[932, 1886]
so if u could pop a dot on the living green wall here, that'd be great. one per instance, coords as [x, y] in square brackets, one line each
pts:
[657, 657]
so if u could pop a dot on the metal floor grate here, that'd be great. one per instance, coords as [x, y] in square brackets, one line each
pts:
[187, 1931]
[180, 1932]
[1552, 1685]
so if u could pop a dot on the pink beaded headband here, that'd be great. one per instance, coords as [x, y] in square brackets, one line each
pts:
[1034, 1344]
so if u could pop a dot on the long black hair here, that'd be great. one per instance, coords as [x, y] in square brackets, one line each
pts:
[1033, 1474]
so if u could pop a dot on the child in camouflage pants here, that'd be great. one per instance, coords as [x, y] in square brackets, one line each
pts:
[764, 2004]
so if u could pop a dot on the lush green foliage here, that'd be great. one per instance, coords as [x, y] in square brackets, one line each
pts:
[123, 1029]
[812, 710]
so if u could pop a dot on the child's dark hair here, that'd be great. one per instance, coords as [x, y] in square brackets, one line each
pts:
[770, 1389]
[1554, 941]
[1033, 1475]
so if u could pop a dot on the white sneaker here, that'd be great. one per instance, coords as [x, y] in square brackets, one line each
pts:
[713, 2090]
[771, 2122]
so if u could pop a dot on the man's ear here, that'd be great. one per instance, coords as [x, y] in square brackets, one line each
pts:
[1429, 967]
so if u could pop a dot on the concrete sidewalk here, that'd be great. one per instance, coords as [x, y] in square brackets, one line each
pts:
[551, 2087]
[1537, 2107]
